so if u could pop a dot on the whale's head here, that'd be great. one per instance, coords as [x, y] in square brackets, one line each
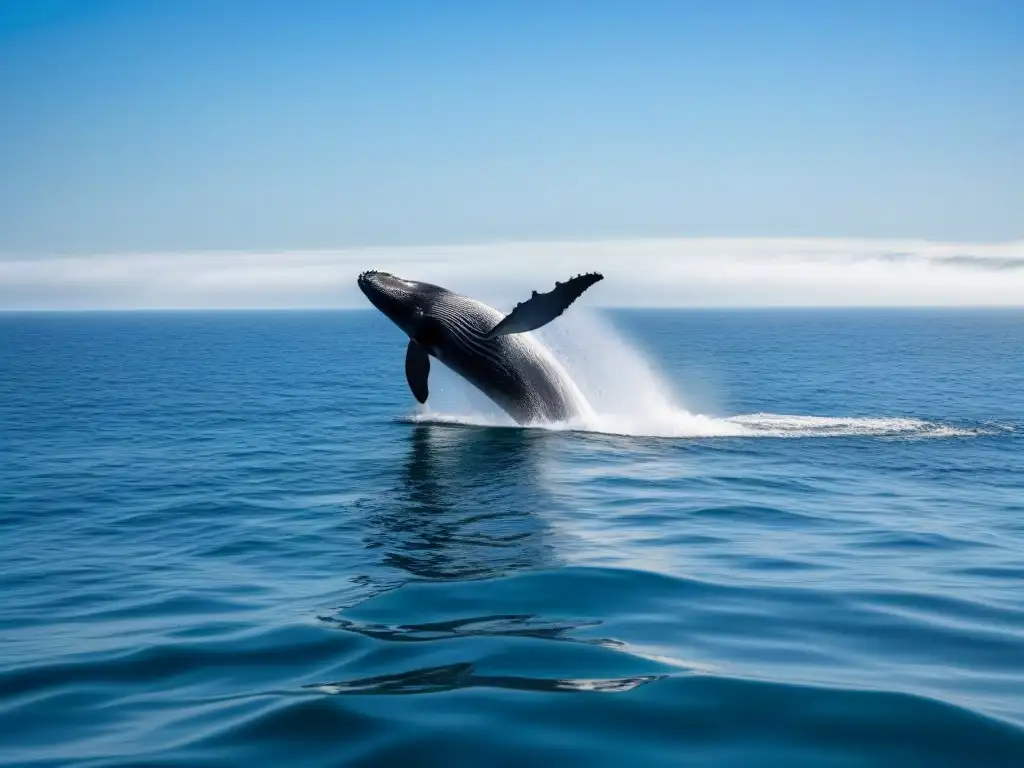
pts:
[404, 302]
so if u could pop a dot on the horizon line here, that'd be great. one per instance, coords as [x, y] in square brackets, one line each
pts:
[601, 307]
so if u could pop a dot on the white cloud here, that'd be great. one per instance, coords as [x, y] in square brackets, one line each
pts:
[676, 272]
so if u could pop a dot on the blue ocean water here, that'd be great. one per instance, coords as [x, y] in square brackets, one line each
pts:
[786, 538]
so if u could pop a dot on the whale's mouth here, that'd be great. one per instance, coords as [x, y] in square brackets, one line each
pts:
[389, 294]
[376, 284]
[400, 300]
[372, 279]
[384, 282]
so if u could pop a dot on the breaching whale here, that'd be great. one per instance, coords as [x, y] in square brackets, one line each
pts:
[480, 344]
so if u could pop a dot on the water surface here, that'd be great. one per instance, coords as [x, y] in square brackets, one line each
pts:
[788, 538]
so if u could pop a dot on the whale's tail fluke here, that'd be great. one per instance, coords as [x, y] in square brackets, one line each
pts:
[542, 308]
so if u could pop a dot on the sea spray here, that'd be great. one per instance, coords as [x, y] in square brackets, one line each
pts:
[626, 393]
[617, 389]
[621, 392]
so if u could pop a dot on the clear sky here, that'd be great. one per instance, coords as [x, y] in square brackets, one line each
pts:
[177, 125]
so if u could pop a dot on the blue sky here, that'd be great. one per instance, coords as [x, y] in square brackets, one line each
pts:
[182, 125]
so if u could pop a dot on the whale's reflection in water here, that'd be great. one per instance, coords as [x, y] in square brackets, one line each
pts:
[453, 676]
[469, 508]
[467, 505]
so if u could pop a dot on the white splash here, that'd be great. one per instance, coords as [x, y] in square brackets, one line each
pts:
[626, 395]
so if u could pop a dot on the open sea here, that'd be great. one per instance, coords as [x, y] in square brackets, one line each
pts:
[785, 538]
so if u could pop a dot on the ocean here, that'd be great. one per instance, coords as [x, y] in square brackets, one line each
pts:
[783, 538]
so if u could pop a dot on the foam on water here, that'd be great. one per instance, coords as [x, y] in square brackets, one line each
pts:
[683, 424]
[620, 392]
[784, 425]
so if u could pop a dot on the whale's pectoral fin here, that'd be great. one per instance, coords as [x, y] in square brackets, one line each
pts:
[417, 370]
[542, 308]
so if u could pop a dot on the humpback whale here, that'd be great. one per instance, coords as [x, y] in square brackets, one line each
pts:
[480, 344]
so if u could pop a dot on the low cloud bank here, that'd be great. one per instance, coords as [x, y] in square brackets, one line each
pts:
[721, 272]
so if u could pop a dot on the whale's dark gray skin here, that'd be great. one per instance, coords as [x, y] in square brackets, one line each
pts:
[480, 344]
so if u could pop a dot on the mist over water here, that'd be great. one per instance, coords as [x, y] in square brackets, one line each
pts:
[621, 391]
[736, 272]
